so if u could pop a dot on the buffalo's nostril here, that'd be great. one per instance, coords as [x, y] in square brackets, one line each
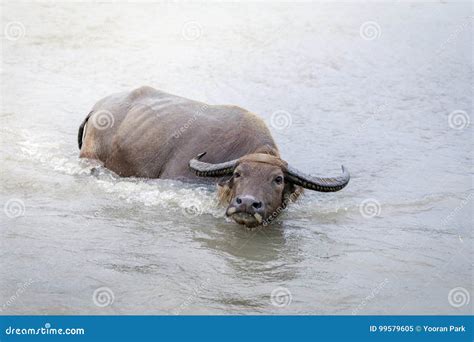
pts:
[238, 200]
[257, 205]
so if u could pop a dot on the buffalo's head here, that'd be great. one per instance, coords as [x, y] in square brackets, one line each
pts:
[261, 185]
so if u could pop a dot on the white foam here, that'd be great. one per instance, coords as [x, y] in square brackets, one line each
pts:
[173, 195]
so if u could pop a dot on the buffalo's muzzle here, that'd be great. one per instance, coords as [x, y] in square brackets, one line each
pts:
[246, 210]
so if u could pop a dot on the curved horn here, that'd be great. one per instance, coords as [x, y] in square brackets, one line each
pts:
[316, 183]
[203, 169]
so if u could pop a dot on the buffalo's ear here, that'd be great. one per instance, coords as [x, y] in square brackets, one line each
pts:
[226, 181]
[291, 192]
[224, 190]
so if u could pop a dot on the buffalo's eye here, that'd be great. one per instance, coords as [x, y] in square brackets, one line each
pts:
[279, 179]
[236, 174]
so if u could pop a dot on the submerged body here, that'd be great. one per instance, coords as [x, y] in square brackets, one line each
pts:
[152, 134]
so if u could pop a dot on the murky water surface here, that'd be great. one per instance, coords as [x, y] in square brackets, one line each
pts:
[397, 240]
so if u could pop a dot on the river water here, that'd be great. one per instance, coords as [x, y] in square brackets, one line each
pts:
[384, 89]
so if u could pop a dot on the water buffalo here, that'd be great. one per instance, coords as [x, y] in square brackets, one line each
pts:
[152, 134]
